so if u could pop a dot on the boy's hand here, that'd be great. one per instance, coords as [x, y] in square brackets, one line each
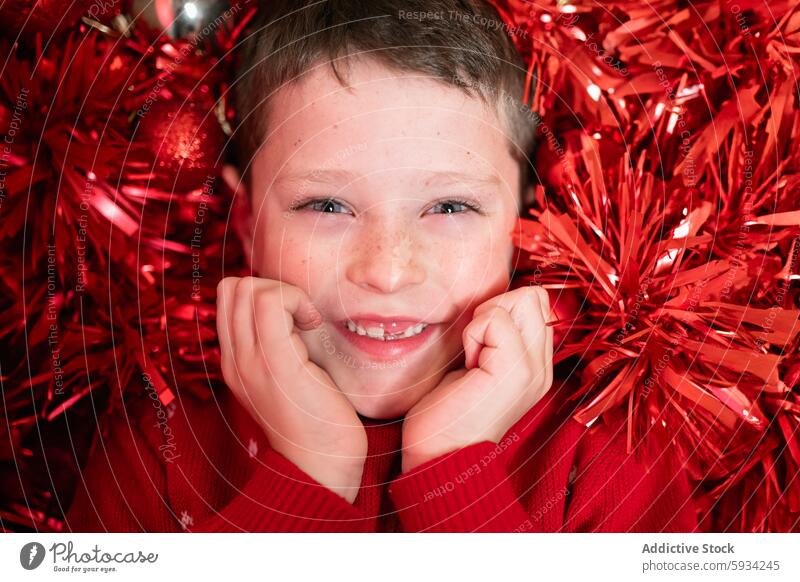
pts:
[265, 363]
[509, 368]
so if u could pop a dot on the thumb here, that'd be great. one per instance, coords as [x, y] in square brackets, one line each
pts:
[307, 317]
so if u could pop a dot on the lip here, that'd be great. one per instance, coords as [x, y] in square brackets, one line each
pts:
[386, 350]
[374, 320]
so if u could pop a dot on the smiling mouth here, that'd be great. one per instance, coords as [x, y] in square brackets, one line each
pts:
[381, 334]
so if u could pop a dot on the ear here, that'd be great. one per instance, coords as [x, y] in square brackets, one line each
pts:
[241, 212]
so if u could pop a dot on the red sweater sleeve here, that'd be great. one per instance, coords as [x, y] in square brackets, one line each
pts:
[612, 490]
[126, 486]
[586, 482]
[280, 497]
[467, 490]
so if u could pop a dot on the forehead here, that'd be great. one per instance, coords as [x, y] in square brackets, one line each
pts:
[384, 119]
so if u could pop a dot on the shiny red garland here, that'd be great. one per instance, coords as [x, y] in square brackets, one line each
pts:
[668, 215]
[670, 204]
[113, 225]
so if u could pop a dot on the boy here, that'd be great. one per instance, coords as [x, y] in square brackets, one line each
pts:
[381, 376]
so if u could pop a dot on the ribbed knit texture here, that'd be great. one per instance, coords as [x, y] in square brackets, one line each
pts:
[208, 467]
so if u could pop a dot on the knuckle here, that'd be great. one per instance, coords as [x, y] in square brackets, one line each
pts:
[222, 337]
[263, 303]
[288, 289]
[526, 291]
[502, 317]
[469, 330]
[223, 286]
[528, 373]
[243, 286]
[282, 293]
[230, 371]
[532, 294]
[545, 298]
[533, 297]
[466, 333]
[496, 311]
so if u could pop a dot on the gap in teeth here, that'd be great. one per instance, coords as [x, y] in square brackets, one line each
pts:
[379, 333]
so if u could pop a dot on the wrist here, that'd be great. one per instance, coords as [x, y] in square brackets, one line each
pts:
[341, 477]
[416, 455]
[414, 458]
[345, 480]
[410, 462]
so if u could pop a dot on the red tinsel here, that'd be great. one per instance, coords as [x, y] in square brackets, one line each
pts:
[666, 225]
[670, 202]
[27, 18]
[109, 169]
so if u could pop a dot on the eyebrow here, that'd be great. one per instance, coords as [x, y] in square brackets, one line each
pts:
[434, 179]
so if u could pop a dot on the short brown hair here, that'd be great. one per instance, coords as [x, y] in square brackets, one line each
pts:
[463, 43]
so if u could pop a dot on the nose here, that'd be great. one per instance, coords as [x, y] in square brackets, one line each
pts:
[385, 258]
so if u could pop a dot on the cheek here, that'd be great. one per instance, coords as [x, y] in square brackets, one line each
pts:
[475, 262]
[482, 272]
[289, 263]
[287, 255]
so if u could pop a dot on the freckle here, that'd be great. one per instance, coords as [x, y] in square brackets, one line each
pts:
[298, 142]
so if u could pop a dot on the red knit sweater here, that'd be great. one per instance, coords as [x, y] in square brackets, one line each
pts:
[206, 466]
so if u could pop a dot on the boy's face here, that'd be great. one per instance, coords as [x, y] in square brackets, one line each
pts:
[398, 154]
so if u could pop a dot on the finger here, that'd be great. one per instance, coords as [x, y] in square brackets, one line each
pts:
[548, 352]
[226, 330]
[527, 313]
[504, 300]
[297, 305]
[525, 306]
[493, 343]
[303, 311]
[528, 307]
[244, 330]
[473, 340]
[504, 349]
[474, 334]
[518, 303]
[273, 331]
[278, 310]
[225, 301]
[530, 311]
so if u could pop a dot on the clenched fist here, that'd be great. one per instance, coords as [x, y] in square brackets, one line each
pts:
[508, 368]
[266, 364]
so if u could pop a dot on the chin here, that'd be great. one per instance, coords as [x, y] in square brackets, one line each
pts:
[381, 408]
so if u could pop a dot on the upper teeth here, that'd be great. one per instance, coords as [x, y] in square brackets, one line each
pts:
[380, 333]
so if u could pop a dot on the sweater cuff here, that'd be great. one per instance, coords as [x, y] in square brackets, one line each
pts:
[281, 497]
[467, 490]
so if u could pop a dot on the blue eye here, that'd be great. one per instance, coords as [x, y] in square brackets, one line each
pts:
[323, 205]
[456, 206]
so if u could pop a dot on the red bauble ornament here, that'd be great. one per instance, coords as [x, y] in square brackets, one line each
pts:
[185, 139]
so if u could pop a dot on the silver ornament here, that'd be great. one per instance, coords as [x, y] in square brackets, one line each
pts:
[182, 19]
